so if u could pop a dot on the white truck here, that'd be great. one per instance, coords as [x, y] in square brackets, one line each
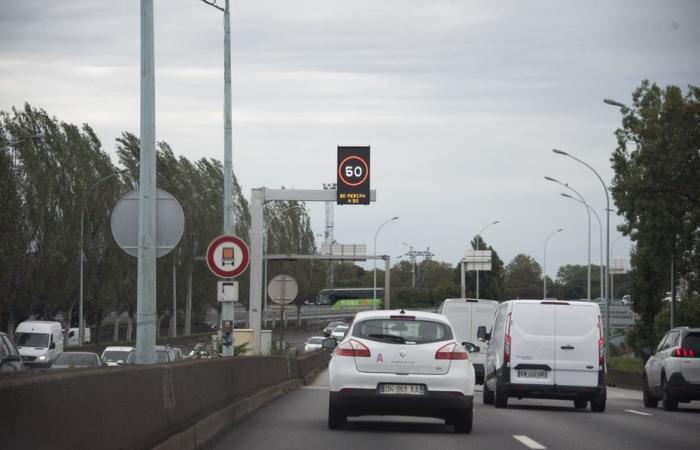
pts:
[466, 315]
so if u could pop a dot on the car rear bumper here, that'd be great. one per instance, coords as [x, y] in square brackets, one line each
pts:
[553, 391]
[358, 402]
[680, 388]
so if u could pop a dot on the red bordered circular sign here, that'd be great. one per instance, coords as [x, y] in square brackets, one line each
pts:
[362, 176]
[228, 256]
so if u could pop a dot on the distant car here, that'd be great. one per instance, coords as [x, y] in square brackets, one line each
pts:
[672, 375]
[313, 343]
[77, 360]
[339, 332]
[115, 355]
[10, 359]
[403, 363]
[329, 328]
[163, 354]
[177, 353]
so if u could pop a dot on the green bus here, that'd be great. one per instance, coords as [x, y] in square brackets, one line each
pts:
[351, 298]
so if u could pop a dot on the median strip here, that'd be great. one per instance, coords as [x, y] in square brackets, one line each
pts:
[528, 442]
[638, 412]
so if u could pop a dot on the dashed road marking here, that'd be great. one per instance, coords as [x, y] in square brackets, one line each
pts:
[638, 412]
[528, 442]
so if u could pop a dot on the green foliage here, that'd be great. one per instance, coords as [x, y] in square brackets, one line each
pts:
[524, 277]
[623, 364]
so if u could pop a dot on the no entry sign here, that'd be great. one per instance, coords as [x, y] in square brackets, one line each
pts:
[353, 176]
[228, 256]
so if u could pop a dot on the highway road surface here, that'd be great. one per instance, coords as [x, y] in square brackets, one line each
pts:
[298, 421]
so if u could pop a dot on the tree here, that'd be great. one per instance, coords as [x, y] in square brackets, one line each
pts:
[657, 190]
[491, 282]
[524, 277]
[573, 279]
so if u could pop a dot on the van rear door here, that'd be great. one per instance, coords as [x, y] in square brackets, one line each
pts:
[532, 343]
[577, 335]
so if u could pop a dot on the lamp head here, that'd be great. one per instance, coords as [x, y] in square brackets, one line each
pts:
[614, 103]
[551, 179]
[560, 152]
[395, 218]
[567, 195]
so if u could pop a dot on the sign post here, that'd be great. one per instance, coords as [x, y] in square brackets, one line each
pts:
[353, 176]
[283, 289]
[227, 258]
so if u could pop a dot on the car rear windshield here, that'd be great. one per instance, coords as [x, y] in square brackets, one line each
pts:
[692, 341]
[316, 340]
[402, 331]
[114, 356]
[31, 339]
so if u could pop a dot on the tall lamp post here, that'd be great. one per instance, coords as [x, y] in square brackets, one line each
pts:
[600, 231]
[544, 263]
[81, 324]
[588, 213]
[478, 240]
[374, 289]
[607, 245]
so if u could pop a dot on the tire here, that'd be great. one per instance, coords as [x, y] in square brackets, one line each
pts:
[500, 399]
[580, 403]
[667, 401]
[598, 403]
[488, 395]
[649, 400]
[463, 420]
[337, 419]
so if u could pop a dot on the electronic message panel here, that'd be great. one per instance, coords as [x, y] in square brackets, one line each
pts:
[353, 176]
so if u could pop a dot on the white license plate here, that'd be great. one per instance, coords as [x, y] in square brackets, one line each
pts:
[532, 373]
[402, 389]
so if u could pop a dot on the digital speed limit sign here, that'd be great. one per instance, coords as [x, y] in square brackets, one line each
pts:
[353, 176]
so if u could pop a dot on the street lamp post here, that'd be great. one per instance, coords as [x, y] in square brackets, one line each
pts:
[478, 240]
[607, 246]
[600, 234]
[81, 325]
[588, 213]
[544, 264]
[374, 289]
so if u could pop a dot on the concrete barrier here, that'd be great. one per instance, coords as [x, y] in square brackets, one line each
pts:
[627, 380]
[140, 407]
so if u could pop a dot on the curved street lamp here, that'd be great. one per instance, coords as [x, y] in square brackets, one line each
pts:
[374, 289]
[588, 213]
[600, 230]
[544, 263]
[478, 241]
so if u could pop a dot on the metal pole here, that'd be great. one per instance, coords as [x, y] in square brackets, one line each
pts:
[478, 242]
[146, 283]
[387, 282]
[462, 280]
[374, 289]
[173, 317]
[673, 291]
[188, 305]
[81, 322]
[544, 264]
[257, 199]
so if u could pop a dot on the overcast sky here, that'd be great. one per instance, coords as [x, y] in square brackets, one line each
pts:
[461, 101]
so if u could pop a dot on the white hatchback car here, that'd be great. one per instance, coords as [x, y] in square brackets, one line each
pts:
[400, 363]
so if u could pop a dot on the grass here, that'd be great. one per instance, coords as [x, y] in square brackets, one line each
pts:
[623, 364]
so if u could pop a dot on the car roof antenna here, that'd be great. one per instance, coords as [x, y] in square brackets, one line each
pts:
[402, 311]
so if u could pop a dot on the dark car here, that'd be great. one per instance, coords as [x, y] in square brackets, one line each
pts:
[77, 360]
[10, 359]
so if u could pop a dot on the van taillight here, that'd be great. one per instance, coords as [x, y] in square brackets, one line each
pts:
[601, 343]
[684, 353]
[353, 348]
[506, 341]
[451, 351]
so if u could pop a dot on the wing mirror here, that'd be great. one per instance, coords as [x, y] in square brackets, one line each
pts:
[471, 348]
[52, 346]
[330, 344]
[482, 335]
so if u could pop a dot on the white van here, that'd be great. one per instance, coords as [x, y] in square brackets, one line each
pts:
[73, 336]
[466, 315]
[39, 342]
[546, 349]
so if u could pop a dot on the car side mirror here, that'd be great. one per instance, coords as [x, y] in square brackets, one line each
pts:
[471, 348]
[646, 353]
[52, 345]
[481, 334]
[330, 344]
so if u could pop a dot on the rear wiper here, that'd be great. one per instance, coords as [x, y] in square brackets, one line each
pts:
[390, 337]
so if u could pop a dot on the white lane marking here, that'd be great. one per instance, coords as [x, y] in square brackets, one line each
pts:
[528, 442]
[638, 412]
[315, 388]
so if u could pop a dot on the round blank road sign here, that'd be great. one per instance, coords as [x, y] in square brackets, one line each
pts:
[170, 222]
[228, 256]
[282, 289]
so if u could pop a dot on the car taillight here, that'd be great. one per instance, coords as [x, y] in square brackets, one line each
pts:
[684, 353]
[601, 343]
[353, 348]
[451, 351]
[507, 341]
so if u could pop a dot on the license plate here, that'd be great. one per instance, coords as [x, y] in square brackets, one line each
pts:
[532, 373]
[402, 389]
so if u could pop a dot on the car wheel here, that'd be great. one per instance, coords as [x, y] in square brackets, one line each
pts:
[649, 400]
[463, 421]
[337, 419]
[500, 399]
[580, 403]
[598, 403]
[667, 401]
[488, 395]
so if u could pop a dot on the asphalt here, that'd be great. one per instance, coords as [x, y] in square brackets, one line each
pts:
[298, 421]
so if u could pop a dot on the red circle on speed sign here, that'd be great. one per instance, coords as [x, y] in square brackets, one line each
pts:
[228, 256]
[363, 175]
